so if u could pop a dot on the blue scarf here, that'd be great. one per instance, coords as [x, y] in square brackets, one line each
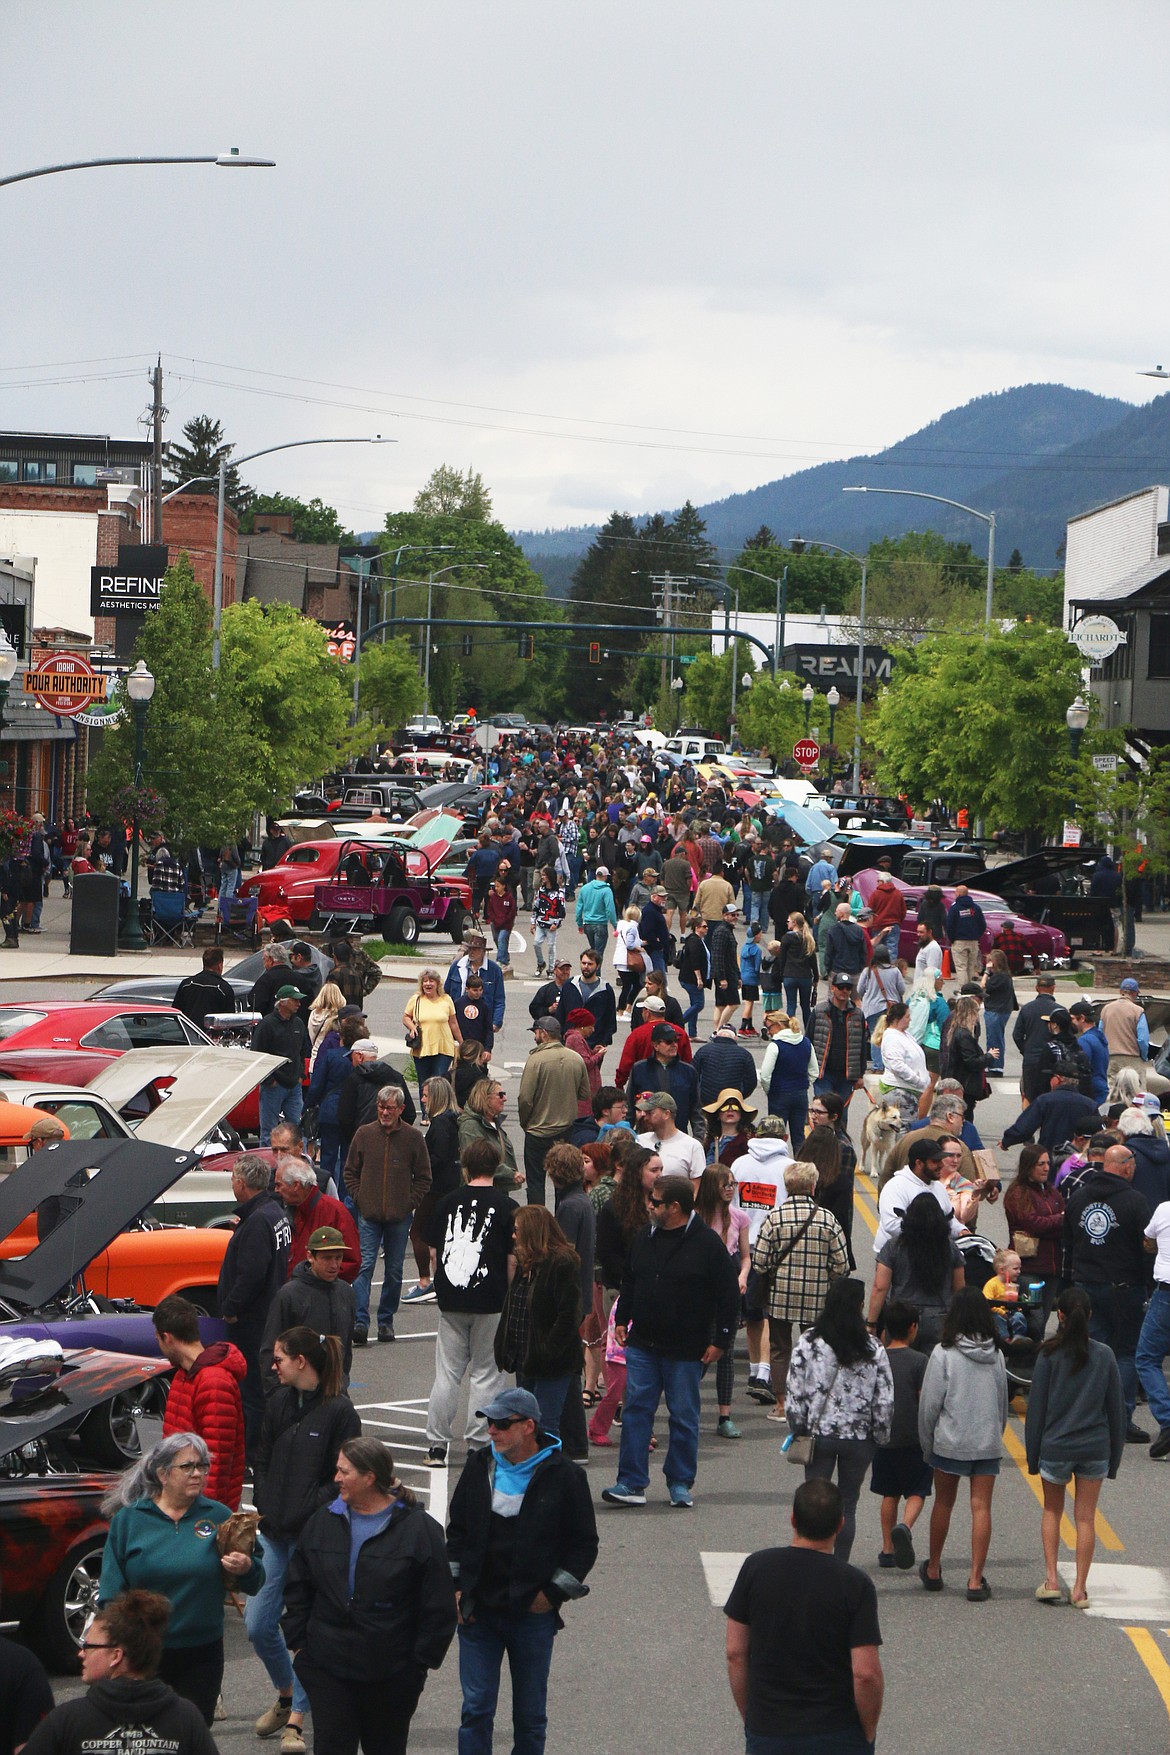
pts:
[511, 1480]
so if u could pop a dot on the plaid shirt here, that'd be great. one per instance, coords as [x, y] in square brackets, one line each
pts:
[796, 1289]
[164, 871]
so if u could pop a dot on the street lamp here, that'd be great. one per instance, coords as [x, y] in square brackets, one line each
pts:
[987, 517]
[140, 688]
[233, 159]
[863, 563]
[453, 567]
[234, 463]
[807, 695]
[1076, 718]
[834, 701]
[8, 664]
[364, 564]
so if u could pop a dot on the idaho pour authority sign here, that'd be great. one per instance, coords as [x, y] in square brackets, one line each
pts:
[65, 683]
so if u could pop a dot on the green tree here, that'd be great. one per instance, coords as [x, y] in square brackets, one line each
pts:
[447, 494]
[707, 696]
[815, 578]
[771, 716]
[1024, 595]
[979, 721]
[312, 521]
[390, 685]
[764, 538]
[292, 694]
[205, 449]
[200, 752]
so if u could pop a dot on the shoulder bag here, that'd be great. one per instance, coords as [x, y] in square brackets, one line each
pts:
[414, 1036]
[799, 1450]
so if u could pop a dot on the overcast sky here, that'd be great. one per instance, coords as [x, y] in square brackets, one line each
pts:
[613, 255]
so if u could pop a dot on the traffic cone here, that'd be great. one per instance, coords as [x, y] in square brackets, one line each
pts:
[948, 967]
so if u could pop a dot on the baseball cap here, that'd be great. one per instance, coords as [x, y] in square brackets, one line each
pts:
[1147, 1103]
[648, 840]
[1059, 1016]
[563, 963]
[511, 1404]
[548, 1024]
[350, 1011]
[1082, 1009]
[841, 979]
[652, 1003]
[602, 871]
[326, 1237]
[1129, 985]
[730, 908]
[924, 1152]
[288, 991]
[663, 1033]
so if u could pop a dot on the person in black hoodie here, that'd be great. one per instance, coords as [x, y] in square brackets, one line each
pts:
[358, 1102]
[254, 1268]
[307, 1420]
[369, 1605]
[315, 1297]
[677, 1312]
[125, 1705]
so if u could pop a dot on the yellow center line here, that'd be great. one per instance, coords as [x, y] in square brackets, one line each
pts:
[1106, 1534]
[1146, 1647]
[865, 1212]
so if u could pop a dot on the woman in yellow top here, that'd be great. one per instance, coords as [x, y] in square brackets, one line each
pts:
[431, 1016]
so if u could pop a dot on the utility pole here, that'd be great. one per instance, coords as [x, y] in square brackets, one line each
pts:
[158, 415]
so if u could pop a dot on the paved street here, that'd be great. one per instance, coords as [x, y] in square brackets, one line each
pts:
[956, 1673]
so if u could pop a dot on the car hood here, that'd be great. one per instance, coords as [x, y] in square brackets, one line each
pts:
[125, 1177]
[1010, 879]
[35, 1406]
[809, 826]
[208, 1083]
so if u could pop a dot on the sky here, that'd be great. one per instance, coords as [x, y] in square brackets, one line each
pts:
[611, 256]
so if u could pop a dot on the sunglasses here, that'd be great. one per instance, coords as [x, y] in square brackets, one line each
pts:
[654, 1201]
[503, 1425]
[195, 1468]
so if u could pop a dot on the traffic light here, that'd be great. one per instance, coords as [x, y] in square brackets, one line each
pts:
[595, 651]
[528, 645]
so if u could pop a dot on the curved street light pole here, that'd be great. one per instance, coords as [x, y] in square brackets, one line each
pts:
[988, 518]
[232, 159]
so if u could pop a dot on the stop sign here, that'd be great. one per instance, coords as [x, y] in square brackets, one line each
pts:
[806, 753]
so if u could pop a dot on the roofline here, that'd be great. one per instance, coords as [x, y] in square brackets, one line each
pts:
[80, 439]
[1108, 505]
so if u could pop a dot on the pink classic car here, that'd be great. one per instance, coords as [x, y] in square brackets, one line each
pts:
[1043, 946]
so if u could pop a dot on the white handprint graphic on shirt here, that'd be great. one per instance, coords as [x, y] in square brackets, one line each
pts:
[463, 1248]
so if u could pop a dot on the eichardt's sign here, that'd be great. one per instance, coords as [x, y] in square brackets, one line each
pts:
[134, 584]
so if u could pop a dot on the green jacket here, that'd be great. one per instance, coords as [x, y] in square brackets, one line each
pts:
[146, 1550]
[472, 1128]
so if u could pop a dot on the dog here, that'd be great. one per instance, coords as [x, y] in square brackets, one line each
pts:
[879, 1136]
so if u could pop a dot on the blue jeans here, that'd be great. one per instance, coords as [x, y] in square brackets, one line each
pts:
[996, 1023]
[503, 933]
[755, 906]
[262, 1619]
[550, 1393]
[1153, 1346]
[277, 1102]
[793, 1106]
[527, 1639]
[690, 1017]
[329, 1158]
[544, 938]
[831, 1082]
[1116, 1319]
[430, 1066]
[827, 1743]
[389, 1236]
[649, 1376]
[597, 937]
[801, 991]
[576, 867]
[657, 961]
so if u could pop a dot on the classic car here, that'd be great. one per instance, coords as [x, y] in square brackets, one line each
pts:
[160, 990]
[395, 891]
[1044, 947]
[95, 1032]
[52, 1527]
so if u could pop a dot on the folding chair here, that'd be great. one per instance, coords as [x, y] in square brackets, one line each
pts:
[169, 921]
[235, 918]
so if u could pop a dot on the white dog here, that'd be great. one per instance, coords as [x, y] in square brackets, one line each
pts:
[879, 1136]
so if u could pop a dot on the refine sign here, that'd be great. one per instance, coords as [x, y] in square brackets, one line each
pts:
[134, 584]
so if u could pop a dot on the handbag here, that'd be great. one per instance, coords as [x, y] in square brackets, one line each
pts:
[414, 1036]
[799, 1450]
[1025, 1244]
[635, 961]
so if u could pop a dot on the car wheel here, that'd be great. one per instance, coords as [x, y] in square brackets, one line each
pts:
[109, 1435]
[401, 926]
[204, 1298]
[69, 1601]
[455, 922]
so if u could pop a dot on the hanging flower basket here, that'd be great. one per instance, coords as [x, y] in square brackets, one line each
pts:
[141, 802]
[13, 830]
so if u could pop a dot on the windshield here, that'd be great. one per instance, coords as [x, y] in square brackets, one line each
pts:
[11, 1022]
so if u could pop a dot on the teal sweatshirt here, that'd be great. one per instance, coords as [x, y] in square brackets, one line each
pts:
[147, 1550]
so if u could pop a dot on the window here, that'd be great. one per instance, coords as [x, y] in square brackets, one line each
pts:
[85, 475]
[305, 855]
[13, 1022]
[36, 469]
[1159, 659]
[85, 1121]
[8, 469]
[155, 1030]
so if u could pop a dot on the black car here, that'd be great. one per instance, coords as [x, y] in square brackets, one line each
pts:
[161, 989]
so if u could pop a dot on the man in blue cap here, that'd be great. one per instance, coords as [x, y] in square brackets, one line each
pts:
[521, 1539]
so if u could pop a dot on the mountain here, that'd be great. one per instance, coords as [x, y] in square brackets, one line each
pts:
[1034, 455]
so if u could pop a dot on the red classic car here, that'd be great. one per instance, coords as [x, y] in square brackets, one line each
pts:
[292, 886]
[87, 1036]
[1043, 946]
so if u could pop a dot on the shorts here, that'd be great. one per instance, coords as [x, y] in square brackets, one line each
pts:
[901, 1473]
[728, 995]
[964, 1465]
[1059, 1474]
[750, 990]
[754, 1305]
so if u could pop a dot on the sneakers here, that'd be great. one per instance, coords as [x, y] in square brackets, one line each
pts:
[1161, 1446]
[680, 1496]
[360, 1336]
[746, 1030]
[292, 1740]
[760, 1390]
[903, 1548]
[727, 1428]
[437, 1456]
[622, 1496]
[777, 1415]
[274, 1719]
[386, 1332]
[420, 1295]
[1135, 1434]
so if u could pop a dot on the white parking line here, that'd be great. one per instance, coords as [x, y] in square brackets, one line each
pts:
[1118, 1592]
[722, 1570]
